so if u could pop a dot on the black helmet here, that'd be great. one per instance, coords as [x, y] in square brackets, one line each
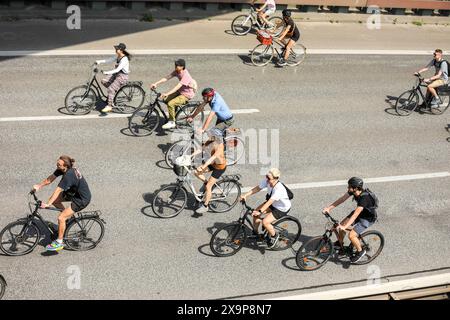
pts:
[208, 92]
[180, 63]
[286, 13]
[355, 182]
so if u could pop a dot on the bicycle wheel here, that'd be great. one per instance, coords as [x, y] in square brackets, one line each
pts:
[262, 55]
[289, 229]
[242, 24]
[169, 201]
[2, 287]
[184, 112]
[297, 55]
[440, 108]
[143, 121]
[178, 149]
[80, 101]
[278, 26]
[314, 254]
[84, 234]
[406, 103]
[19, 238]
[228, 240]
[234, 149]
[129, 98]
[225, 195]
[373, 243]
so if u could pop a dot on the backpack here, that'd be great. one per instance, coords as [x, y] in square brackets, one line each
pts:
[194, 86]
[372, 209]
[438, 65]
[288, 191]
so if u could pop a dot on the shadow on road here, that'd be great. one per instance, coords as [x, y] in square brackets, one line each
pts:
[246, 60]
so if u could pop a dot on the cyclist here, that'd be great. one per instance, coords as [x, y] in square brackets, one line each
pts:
[72, 187]
[218, 107]
[118, 76]
[359, 219]
[180, 94]
[440, 77]
[216, 164]
[277, 205]
[266, 10]
[289, 36]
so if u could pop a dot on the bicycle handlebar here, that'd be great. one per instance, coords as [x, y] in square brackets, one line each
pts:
[331, 218]
[244, 203]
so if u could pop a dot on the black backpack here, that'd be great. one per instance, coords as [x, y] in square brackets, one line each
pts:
[374, 197]
[288, 191]
[438, 65]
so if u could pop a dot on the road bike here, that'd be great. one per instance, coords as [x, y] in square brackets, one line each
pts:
[229, 239]
[172, 199]
[242, 24]
[317, 251]
[146, 119]
[408, 101]
[264, 52]
[84, 231]
[2, 286]
[234, 146]
[82, 99]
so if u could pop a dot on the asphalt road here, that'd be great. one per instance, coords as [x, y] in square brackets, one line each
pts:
[333, 123]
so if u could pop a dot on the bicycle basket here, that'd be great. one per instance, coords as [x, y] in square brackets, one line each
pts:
[180, 171]
[264, 37]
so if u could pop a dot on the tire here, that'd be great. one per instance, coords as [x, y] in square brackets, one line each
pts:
[373, 243]
[186, 111]
[79, 101]
[290, 230]
[279, 26]
[144, 121]
[83, 234]
[228, 240]
[309, 257]
[262, 55]
[242, 24]
[2, 287]
[234, 149]
[129, 98]
[440, 109]
[297, 55]
[228, 199]
[169, 201]
[11, 241]
[406, 103]
[176, 150]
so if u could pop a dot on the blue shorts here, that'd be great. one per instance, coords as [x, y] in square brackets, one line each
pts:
[360, 225]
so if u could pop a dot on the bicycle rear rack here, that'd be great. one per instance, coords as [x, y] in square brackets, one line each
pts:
[89, 214]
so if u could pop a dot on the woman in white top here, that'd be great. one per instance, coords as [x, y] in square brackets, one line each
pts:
[266, 10]
[118, 76]
[276, 206]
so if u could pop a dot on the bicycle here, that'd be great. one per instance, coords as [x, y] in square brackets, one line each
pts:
[242, 24]
[234, 147]
[229, 239]
[408, 101]
[145, 120]
[81, 99]
[264, 52]
[316, 252]
[171, 200]
[2, 286]
[84, 231]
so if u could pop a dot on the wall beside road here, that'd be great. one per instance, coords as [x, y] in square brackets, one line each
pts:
[397, 7]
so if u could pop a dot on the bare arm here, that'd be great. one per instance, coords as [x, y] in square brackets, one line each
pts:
[208, 120]
[336, 203]
[199, 109]
[175, 89]
[354, 216]
[285, 32]
[251, 192]
[44, 182]
[54, 196]
[162, 80]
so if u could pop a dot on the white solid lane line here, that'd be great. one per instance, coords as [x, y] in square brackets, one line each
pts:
[97, 116]
[335, 183]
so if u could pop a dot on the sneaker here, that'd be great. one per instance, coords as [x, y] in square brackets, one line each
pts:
[169, 125]
[273, 241]
[107, 109]
[55, 246]
[202, 209]
[358, 256]
[282, 62]
[436, 101]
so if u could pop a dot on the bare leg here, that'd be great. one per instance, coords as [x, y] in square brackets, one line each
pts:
[66, 214]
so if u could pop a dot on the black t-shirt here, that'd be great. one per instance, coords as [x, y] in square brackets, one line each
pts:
[74, 181]
[366, 201]
[293, 30]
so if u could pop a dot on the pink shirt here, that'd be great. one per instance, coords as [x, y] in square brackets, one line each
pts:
[186, 80]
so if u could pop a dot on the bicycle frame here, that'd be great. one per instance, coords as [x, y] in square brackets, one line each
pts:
[187, 181]
[93, 83]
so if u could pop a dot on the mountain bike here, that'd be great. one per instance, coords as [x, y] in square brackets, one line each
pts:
[234, 146]
[81, 99]
[264, 52]
[171, 200]
[229, 239]
[84, 231]
[242, 24]
[146, 119]
[408, 101]
[316, 252]
[2, 286]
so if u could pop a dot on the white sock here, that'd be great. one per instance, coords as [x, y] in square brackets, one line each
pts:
[59, 241]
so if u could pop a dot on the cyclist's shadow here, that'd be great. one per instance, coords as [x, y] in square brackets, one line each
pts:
[391, 100]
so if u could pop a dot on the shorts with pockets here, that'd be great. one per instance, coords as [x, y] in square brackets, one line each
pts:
[278, 213]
